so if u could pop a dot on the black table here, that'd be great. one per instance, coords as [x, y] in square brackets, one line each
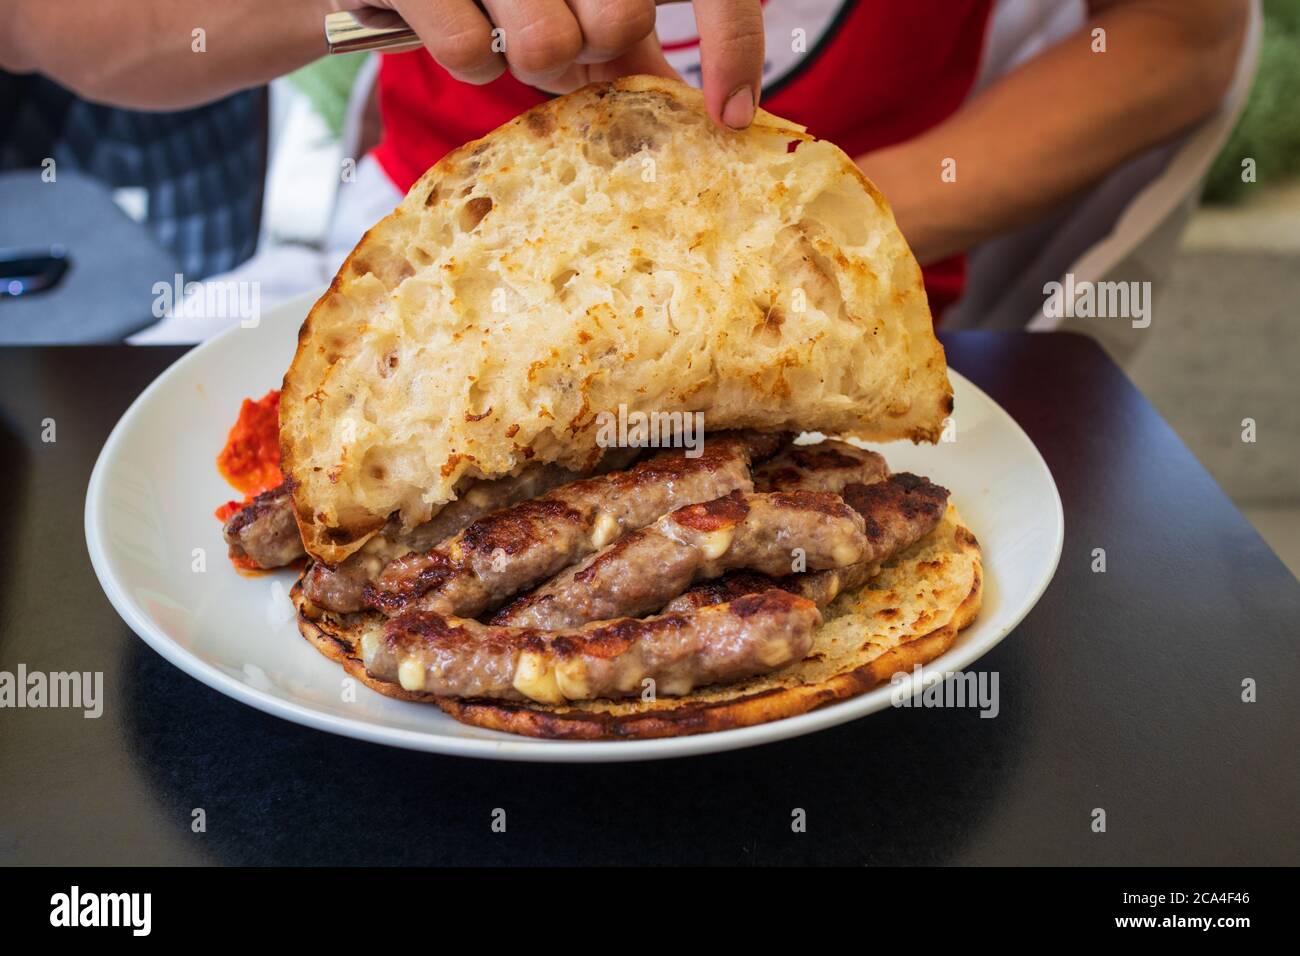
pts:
[1120, 690]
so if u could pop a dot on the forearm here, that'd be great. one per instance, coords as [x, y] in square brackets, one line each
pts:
[1061, 121]
[142, 53]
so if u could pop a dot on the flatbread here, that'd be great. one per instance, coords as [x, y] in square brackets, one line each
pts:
[610, 248]
[909, 614]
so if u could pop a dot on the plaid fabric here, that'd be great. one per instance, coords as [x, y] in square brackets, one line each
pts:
[203, 169]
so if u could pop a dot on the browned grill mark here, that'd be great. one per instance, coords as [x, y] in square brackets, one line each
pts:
[540, 123]
[817, 458]
[725, 512]
[822, 502]
[514, 529]
[392, 597]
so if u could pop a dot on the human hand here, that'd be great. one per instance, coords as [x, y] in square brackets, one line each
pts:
[560, 45]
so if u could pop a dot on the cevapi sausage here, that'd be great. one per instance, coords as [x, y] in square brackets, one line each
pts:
[643, 571]
[512, 549]
[264, 531]
[755, 634]
[774, 533]
[826, 466]
[341, 588]
[896, 513]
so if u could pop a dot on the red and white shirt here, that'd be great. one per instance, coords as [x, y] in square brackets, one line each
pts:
[861, 73]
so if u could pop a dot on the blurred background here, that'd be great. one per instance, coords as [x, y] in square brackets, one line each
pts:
[1211, 220]
[1226, 341]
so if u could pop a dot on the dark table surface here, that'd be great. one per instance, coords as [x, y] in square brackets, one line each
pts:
[1120, 691]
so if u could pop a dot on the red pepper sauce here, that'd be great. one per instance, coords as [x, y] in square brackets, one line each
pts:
[250, 459]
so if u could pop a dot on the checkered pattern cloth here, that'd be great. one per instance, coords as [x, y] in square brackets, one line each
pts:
[203, 169]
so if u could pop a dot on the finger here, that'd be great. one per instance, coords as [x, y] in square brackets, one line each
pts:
[644, 57]
[612, 27]
[731, 58]
[542, 37]
[457, 35]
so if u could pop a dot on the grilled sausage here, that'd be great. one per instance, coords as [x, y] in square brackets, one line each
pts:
[646, 569]
[896, 514]
[342, 588]
[512, 549]
[265, 531]
[826, 466]
[755, 634]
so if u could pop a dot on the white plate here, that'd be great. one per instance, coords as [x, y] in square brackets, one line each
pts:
[160, 557]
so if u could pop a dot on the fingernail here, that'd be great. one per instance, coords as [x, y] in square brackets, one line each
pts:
[738, 112]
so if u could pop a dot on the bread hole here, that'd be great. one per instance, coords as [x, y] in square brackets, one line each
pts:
[566, 173]
[375, 466]
[596, 157]
[561, 279]
[770, 317]
[801, 266]
[421, 256]
[388, 266]
[644, 265]
[835, 212]
[472, 213]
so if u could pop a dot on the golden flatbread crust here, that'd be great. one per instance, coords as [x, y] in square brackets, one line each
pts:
[909, 614]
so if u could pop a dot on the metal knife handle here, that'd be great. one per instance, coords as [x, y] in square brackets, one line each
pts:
[369, 29]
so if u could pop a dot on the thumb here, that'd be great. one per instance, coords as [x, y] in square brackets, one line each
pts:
[731, 58]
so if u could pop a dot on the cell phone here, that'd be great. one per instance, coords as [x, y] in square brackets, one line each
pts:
[28, 271]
